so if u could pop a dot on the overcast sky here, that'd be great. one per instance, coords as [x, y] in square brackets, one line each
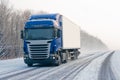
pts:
[100, 18]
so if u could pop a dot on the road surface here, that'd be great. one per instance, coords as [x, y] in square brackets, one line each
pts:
[94, 66]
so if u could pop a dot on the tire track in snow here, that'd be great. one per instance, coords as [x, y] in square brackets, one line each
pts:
[72, 75]
[26, 75]
[67, 72]
[106, 72]
[7, 76]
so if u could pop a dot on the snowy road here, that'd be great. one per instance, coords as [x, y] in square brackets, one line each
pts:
[106, 72]
[94, 66]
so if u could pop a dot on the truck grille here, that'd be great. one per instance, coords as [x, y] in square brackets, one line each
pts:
[39, 51]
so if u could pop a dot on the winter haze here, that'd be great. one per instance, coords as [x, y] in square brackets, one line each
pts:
[97, 17]
[99, 29]
[12, 21]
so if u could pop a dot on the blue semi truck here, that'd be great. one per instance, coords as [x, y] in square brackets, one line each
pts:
[50, 39]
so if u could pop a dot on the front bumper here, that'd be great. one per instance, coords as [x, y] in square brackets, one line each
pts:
[50, 60]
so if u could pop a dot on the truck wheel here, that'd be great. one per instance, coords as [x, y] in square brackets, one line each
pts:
[66, 58]
[29, 65]
[76, 55]
[72, 58]
[58, 61]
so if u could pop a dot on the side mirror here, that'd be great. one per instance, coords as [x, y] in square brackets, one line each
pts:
[22, 34]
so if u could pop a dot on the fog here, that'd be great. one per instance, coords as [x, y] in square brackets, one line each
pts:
[97, 17]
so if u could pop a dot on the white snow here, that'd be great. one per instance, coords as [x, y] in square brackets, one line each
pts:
[115, 62]
[89, 73]
[92, 70]
[11, 65]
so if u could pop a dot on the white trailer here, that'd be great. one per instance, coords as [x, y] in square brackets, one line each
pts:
[71, 34]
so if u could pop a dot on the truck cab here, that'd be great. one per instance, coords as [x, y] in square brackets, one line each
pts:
[43, 41]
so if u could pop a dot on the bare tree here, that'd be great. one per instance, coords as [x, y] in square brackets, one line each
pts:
[5, 12]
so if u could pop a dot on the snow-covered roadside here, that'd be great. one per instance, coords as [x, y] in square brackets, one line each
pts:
[87, 53]
[92, 70]
[115, 63]
[11, 65]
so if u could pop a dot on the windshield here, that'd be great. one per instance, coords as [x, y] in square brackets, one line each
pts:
[39, 34]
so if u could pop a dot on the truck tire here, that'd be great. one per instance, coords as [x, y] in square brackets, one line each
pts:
[66, 58]
[30, 65]
[72, 58]
[76, 55]
[58, 61]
